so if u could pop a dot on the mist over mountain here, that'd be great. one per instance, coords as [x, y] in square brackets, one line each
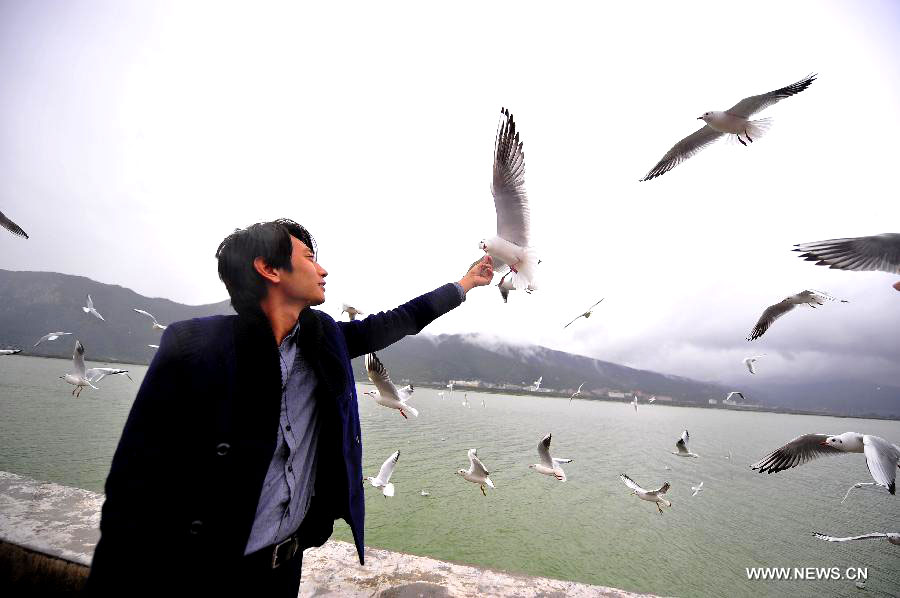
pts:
[35, 303]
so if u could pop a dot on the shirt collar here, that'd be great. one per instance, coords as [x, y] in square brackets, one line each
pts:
[292, 335]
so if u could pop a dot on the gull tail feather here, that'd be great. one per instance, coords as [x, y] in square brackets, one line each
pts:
[388, 489]
[411, 409]
[758, 128]
[489, 482]
[525, 278]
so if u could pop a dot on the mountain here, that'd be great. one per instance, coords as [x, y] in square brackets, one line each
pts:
[835, 397]
[35, 303]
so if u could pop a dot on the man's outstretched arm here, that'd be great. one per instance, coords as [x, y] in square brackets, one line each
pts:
[385, 328]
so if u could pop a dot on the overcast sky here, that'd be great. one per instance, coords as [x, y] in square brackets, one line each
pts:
[135, 136]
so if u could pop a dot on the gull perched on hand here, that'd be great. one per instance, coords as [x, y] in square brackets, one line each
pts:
[383, 480]
[773, 312]
[577, 392]
[156, 325]
[387, 394]
[877, 252]
[477, 473]
[750, 361]
[654, 496]
[734, 121]
[12, 226]
[549, 465]
[352, 312]
[882, 457]
[95, 375]
[50, 336]
[586, 314]
[78, 376]
[682, 446]
[510, 247]
[893, 538]
[89, 308]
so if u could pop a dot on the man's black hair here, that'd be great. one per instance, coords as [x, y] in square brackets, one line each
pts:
[269, 240]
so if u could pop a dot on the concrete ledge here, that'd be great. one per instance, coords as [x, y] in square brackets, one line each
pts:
[48, 533]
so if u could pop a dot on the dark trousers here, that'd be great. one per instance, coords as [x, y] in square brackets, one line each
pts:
[256, 577]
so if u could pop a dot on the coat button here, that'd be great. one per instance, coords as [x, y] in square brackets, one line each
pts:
[357, 439]
[222, 449]
[196, 526]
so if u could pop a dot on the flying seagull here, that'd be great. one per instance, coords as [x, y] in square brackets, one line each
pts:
[735, 393]
[773, 312]
[50, 336]
[95, 375]
[734, 121]
[682, 446]
[12, 226]
[536, 385]
[153, 346]
[352, 312]
[855, 486]
[648, 495]
[697, 489]
[78, 377]
[577, 392]
[156, 325]
[476, 472]
[89, 308]
[383, 480]
[387, 394]
[548, 464]
[10, 351]
[877, 252]
[509, 248]
[749, 361]
[893, 538]
[882, 457]
[586, 314]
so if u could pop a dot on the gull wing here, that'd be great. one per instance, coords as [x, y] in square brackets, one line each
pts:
[683, 150]
[146, 313]
[78, 359]
[772, 313]
[798, 451]
[596, 304]
[750, 106]
[734, 392]
[828, 538]
[378, 374]
[11, 226]
[631, 483]
[387, 468]
[663, 489]
[90, 302]
[544, 451]
[881, 458]
[475, 464]
[681, 444]
[508, 188]
[50, 336]
[98, 374]
[878, 252]
[573, 321]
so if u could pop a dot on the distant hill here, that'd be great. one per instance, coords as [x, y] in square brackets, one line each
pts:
[35, 303]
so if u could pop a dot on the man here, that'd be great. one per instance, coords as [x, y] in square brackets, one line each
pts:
[243, 444]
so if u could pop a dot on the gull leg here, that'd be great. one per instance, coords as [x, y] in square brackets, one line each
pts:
[482, 490]
[747, 135]
[403, 414]
[659, 507]
[742, 141]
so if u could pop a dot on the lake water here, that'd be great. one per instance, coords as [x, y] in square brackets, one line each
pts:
[588, 529]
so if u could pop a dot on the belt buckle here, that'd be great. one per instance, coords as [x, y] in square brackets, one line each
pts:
[292, 542]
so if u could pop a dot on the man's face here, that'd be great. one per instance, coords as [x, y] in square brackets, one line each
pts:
[306, 283]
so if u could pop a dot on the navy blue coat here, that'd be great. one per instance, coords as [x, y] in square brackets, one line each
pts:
[186, 477]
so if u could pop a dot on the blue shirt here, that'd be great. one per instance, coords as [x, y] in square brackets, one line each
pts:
[290, 480]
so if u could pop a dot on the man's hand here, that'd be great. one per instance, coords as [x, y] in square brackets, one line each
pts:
[480, 273]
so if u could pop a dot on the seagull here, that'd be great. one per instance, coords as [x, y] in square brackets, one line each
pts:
[424, 493]
[733, 393]
[634, 403]
[697, 489]
[729, 456]
[77, 377]
[667, 468]
[548, 464]
[734, 121]
[651, 399]
[387, 394]
[882, 457]
[465, 401]
[10, 351]
[749, 361]
[506, 284]
[95, 375]
[50, 336]
[857, 485]
[352, 312]
[773, 312]
[450, 386]
[536, 385]
[153, 346]
[682, 447]
[384, 475]
[441, 394]
[577, 392]
[476, 472]
[586, 314]
[877, 252]
[509, 248]
[156, 325]
[12, 226]
[89, 308]
[648, 495]
[892, 537]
